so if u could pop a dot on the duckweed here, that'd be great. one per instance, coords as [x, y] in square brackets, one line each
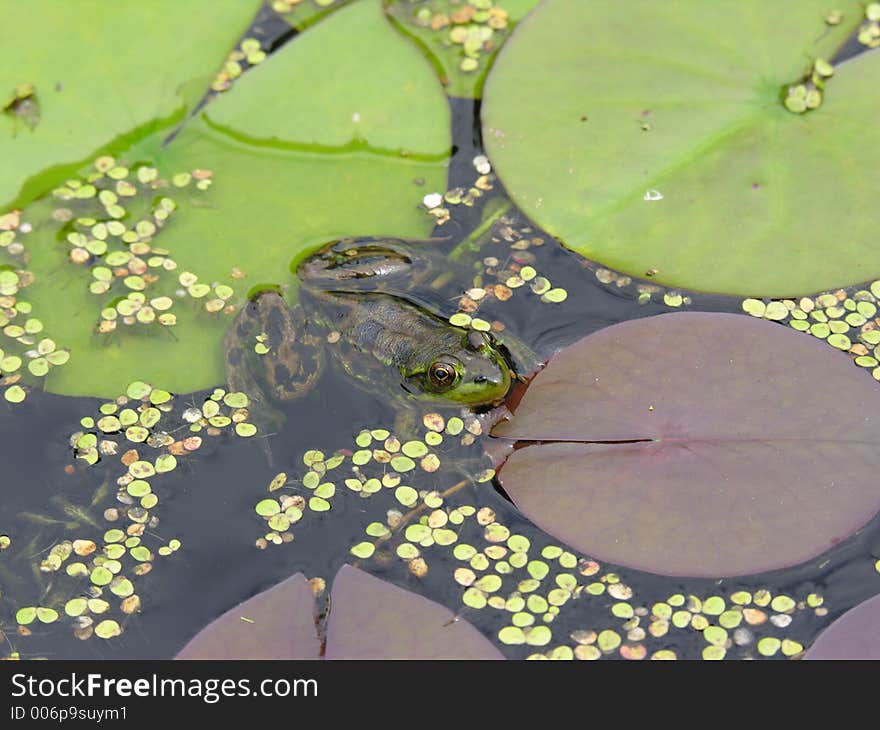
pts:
[17, 324]
[869, 30]
[26, 615]
[715, 635]
[469, 32]
[782, 604]
[644, 292]
[843, 318]
[363, 550]
[117, 253]
[108, 629]
[475, 598]
[499, 570]
[122, 545]
[608, 640]
[509, 278]
[768, 646]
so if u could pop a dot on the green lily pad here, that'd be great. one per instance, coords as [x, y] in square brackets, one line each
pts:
[126, 70]
[334, 150]
[375, 96]
[659, 141]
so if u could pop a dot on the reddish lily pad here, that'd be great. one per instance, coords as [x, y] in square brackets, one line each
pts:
[855, 635]
[276, 624]
[373, 619]
[749, 447]
[369, 619]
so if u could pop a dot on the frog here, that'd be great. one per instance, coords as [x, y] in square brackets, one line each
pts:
[365, 304]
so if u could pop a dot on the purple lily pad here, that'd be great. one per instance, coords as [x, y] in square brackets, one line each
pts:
[373, 619]
[278, 623]
[369, 619]
[751, 446]
[855, 635]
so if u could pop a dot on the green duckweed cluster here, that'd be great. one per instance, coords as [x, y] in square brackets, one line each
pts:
[27, 354]
[377, 462]
[437, 205]
[806, 95]
[110, 220]
[643, 291]
[847, 319]
[248, 53]
[526, 583]
[500, 276]
[475, 28]
[529, 586]
[101, 570]
[869, 30]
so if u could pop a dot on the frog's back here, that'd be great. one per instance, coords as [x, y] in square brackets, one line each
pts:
[395, 332]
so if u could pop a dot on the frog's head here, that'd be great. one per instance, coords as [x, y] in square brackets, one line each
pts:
[474, 372]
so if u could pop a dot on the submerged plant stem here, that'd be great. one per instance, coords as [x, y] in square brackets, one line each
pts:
[494, 210]
[415, 512]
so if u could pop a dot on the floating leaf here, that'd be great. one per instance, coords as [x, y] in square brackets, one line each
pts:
[736, 432]
[25, 616]
[101, 576]
[373, 619]
[658, 145]
[278, 481]
[363, 550]
[276, 624]
[165, 463]
[107, 629]
[318, 504]
[15, 394]
[75, 607]
[369, 619]
[245, 430]
[268, 508]
[855, 635]
[141, 553]
[121, 587]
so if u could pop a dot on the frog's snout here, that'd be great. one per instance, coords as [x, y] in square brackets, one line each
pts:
[487, 380]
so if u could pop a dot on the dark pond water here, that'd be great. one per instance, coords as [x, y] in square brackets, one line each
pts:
[208, 503]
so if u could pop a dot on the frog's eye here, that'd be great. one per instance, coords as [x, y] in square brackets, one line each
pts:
[442, 375]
